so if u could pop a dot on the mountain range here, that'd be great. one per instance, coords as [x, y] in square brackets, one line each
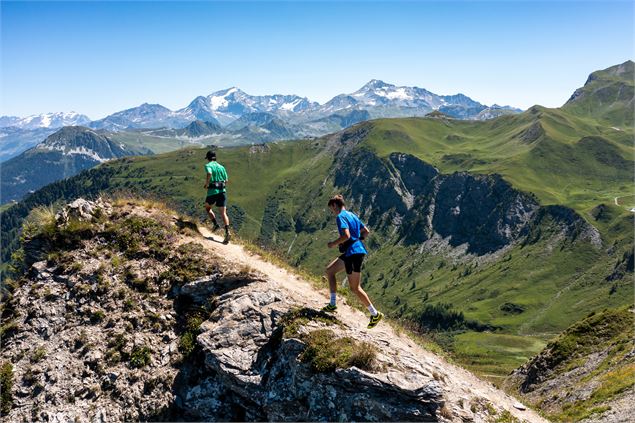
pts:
[266, 118]
[378, 98]
[45, 120]
[258, 119]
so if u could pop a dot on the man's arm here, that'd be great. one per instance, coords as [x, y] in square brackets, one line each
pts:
[346, 235]
[209, 175]
[364, 232]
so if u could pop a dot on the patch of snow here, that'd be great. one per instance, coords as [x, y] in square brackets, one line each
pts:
[400, 93]
[290, 106]
[86, 152]
[217, 102]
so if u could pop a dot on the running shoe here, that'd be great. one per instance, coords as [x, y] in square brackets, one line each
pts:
[375, 319]
[329, 308]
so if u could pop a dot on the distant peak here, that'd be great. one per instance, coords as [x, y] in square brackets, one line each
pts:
[376, 83]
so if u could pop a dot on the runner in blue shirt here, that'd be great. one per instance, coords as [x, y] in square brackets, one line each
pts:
[352, 231]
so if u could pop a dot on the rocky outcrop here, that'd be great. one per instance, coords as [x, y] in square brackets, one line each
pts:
[141, 319]
[255, 374]
[101, 334]
[565, 222]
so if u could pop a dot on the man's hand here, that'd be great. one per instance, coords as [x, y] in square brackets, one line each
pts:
[206, 186]
[331, 244]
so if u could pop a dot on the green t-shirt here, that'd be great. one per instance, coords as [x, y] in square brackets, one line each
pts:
[218, 173]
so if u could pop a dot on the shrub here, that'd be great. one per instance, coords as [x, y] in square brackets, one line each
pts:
[187, 340]
[187, 343]
[138, 236]
[139, 284]
[140, 357]
[8, 329]
[298, 317]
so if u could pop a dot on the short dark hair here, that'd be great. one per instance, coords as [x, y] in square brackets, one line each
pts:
[211, 155]
[337, 200]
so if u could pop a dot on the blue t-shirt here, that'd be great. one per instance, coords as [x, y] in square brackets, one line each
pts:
[348, 220]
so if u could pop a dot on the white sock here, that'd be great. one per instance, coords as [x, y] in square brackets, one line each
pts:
[332, 298]
[372, 310]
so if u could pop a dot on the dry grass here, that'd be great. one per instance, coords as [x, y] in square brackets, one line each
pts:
[40, 220]
[445, 412]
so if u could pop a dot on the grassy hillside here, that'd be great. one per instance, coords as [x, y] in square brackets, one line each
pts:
[585, 370]
[561, 158]
[607, 95]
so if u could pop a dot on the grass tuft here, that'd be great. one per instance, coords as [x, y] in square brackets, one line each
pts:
[325, 352]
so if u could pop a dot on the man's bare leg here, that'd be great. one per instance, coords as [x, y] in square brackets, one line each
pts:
[212, 216]
[332, 270]
[354, 283]
[223, 212]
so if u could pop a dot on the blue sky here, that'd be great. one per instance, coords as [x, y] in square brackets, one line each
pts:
[100, 57]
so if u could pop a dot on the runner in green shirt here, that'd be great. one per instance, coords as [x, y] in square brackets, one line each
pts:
[216, 192]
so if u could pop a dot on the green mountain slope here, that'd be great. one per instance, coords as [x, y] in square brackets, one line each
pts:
[495, 235]
[588, 369]
[607, 95]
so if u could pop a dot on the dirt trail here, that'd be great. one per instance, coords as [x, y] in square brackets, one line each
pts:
[462, 387]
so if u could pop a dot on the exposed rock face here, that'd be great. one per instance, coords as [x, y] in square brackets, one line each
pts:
[533, 133]
[569, 223]
[483, 211]
[257, 373]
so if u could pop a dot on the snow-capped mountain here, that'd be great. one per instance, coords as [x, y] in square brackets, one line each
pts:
[376, 98]
[143, 116]
[381, 99]
[201, 109]
[223, 106]
[61, 155]
[83, 141]
[236, 102]
[45, 120]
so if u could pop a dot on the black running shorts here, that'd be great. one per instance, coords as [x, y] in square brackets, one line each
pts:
[353, 263]
[216, 199]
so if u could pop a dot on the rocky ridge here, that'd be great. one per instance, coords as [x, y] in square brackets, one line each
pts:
[125, 312]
